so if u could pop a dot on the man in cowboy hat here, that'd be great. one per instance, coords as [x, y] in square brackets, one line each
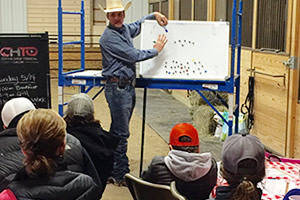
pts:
[118, 61]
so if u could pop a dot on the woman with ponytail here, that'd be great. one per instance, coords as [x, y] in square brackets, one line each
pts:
[42, 136]
[243, 167]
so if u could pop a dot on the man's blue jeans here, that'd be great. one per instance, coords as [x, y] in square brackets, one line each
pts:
[121, 102]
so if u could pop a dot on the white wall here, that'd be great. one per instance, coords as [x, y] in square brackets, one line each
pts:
[13, 16]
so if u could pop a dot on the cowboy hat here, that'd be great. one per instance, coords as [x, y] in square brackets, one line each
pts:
[115, 6]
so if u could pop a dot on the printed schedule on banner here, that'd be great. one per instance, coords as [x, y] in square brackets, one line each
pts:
[24, 66]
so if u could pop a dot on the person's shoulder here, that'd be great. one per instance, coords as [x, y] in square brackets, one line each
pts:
[9, 141]
[158, 160]
[8, 132]
[79, 179]
[72, 140]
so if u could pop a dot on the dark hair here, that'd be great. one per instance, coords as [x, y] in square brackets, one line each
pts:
[190, 149]
[79, 121]
[244, 185]
[41, 132]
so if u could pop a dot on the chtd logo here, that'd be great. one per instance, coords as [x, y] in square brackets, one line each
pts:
[18, 52]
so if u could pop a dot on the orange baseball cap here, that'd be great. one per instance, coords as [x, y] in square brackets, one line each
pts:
[184, 129]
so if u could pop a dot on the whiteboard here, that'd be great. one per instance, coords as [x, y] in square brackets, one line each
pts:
[195, 50]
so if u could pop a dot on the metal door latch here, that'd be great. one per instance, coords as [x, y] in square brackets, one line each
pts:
[291, 63]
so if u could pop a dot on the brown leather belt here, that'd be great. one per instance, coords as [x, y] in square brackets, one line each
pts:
[117, 80]
[122, 81]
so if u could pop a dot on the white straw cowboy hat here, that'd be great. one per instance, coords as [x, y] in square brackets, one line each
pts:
[115, 6]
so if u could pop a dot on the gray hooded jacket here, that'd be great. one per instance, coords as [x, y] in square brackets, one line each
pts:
[191, 171]
[188, 166]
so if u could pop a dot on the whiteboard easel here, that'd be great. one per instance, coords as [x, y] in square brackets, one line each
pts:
[195, 50]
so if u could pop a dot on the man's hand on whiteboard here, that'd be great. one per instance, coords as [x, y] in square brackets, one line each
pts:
[160, 42]
[161, 19]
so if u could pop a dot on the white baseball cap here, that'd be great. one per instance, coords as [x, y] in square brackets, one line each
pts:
[14, 107]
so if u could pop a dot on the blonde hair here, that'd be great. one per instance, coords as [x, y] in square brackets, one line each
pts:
[41, 132]
[244, 185]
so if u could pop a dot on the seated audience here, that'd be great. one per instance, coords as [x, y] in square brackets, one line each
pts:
[243, 167]
[99, 144]
[195, 173]
[42, 136]
[76, 157]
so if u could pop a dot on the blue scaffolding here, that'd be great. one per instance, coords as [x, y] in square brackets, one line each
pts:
[87, 80]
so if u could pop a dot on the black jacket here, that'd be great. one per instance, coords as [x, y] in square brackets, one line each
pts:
[99, 144]
[158, 172]
[64, 185]
[11, 158]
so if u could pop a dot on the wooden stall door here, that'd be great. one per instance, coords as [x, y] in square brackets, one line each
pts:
[270, 100]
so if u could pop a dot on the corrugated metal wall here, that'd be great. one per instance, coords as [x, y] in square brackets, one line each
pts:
[247, 20]
[271, 26]
[136, 11]
[13, 16]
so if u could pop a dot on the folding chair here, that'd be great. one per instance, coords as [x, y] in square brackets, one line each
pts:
[292, 193]
[144, 190]
[175, 192]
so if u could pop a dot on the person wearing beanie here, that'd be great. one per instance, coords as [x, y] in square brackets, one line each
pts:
[76, 157]
[119, 70]
[99, 144]
[243, 167]
[195, 173]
